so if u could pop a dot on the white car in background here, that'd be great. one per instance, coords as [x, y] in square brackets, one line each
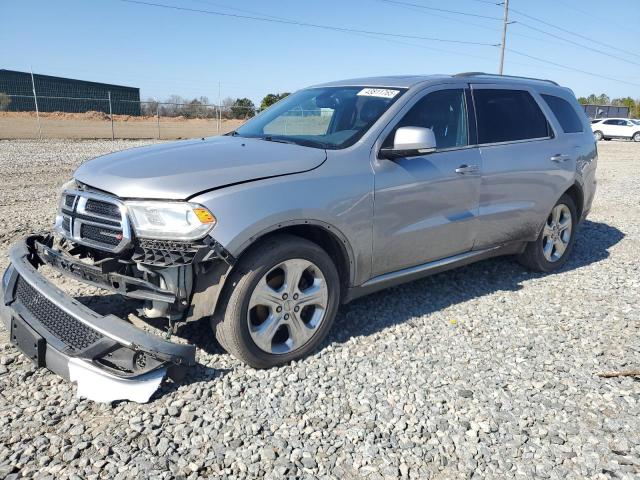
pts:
[608, 128]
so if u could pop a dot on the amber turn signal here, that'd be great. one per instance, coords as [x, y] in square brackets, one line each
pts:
[204, 215]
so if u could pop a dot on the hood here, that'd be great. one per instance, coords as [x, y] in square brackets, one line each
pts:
[179, 170]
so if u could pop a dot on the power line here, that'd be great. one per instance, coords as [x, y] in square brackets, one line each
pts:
[375, 34]
[573, 33]
[458, 20]
[590, 15]
[566, 67]
[581, 45]
[305, 24]
[455, 12]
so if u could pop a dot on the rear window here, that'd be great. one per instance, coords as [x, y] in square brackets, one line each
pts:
[565, 113]
[508, 115]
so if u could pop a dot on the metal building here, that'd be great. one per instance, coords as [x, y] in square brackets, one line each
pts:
[606, 111]
[59, 94]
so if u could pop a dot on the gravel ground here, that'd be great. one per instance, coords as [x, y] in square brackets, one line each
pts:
[483, 372]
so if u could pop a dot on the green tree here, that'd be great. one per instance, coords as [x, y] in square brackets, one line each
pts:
[243, 108]
[5, 101]
[272, 98]
[583, 100]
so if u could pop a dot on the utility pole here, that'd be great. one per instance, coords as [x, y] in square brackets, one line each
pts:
[219, 108]
[505, 22]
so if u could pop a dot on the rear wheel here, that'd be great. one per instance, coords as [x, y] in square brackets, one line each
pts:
[279, 303]
[553, 246]
[636, 137]
[598, 135]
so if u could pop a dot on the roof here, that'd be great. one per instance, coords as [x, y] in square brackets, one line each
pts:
[397, 81]
[408, 81]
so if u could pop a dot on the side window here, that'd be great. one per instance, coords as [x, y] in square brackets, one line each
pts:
[444, 112]
[508, 115]
[610, 122]
[565, 113]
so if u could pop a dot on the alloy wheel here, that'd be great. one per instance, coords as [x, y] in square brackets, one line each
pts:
[556, 234]
[287, 306]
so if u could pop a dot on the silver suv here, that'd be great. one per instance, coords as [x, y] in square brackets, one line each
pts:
[337, 191]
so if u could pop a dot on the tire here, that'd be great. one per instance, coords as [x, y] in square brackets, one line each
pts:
[261, 318]
[598, 135]
[636, 137]
[540, 259]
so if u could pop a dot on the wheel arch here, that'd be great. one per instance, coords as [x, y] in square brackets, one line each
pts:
[577, 195]
[326, 236]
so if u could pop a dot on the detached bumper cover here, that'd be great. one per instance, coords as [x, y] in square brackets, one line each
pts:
[58, 332]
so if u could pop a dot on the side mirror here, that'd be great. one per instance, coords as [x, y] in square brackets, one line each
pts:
[410, 142]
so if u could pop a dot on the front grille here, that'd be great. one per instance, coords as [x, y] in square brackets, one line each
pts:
[60, 324]
[165, 253]
[94, 219]
[100, 234]
[103, 208]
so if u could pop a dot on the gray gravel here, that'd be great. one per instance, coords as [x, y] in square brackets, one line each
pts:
[484, 372]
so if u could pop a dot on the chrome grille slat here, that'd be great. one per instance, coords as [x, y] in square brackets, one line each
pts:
[89, 218]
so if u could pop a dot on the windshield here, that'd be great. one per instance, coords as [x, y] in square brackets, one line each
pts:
[326, 117]
[637, 122]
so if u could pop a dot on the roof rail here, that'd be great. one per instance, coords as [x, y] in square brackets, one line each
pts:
[483, 74]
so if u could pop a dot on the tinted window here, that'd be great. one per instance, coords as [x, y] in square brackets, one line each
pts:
[444, 112]
[610, 122]
[508, 115]
[565, 114]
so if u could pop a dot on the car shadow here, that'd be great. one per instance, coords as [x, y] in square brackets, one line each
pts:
[370, 314]
[378, 311]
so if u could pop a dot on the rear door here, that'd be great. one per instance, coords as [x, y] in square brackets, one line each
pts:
[626, 128]
[525, 164]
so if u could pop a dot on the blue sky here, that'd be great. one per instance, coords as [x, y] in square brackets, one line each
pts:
[166, 51]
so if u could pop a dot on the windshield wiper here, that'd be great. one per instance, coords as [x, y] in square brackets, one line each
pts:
[270, 138]
[297, 141]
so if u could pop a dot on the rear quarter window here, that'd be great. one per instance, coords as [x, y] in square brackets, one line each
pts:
[564, 112]
[508, 115]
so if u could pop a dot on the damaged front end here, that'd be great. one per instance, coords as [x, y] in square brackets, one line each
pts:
[108, 357]
[97, 241]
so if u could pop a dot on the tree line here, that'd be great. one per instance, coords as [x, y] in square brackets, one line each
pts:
[202, 107]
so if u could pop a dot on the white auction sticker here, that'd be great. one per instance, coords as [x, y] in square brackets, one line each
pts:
[378, 92]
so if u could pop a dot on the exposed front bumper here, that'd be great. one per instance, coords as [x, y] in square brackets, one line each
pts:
[58, 332]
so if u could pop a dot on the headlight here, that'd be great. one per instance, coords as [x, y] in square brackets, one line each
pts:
[170, 220]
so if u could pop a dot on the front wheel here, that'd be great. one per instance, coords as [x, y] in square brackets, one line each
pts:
[552, 248]
[279, 303]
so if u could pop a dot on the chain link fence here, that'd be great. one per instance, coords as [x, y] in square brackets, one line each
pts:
[42, 106]
[75, 117]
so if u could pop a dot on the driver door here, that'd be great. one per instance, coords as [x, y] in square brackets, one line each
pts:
[426, 207]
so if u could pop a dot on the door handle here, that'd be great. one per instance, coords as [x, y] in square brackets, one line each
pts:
[463, 169]
[559, 158]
